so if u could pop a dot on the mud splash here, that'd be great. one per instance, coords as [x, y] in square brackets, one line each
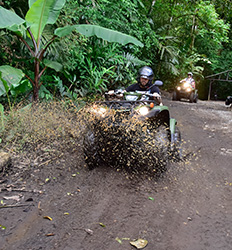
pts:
[126, 141]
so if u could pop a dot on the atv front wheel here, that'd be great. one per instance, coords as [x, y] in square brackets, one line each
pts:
[176, 150]
[175, 96]
[195, 98]
[91, 150]
[162, 146]
[192, 97]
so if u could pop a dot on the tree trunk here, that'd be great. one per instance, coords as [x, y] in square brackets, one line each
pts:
[36, 86]
[193, 31]
[151, 8]
[35, 94]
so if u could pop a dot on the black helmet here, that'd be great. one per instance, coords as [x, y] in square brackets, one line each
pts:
[146, 72]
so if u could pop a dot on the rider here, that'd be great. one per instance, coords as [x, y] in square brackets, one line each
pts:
[144, 82]
[190, 80]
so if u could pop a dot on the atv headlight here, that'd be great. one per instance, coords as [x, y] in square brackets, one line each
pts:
[188, 89]
[101, 111]
[143, 111]
[178, 88]
[186, 84]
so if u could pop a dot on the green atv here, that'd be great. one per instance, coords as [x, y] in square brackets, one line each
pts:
[131, 130]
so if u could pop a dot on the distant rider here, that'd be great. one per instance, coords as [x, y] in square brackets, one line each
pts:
[190, 80]
[144, 82]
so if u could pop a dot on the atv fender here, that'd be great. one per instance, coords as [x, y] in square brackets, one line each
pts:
[153, 113]
[163, 114]
[159, 113]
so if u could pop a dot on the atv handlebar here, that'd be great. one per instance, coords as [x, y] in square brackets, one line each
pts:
[121, 94]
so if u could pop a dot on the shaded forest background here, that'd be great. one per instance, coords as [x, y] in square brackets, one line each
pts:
[178, 37]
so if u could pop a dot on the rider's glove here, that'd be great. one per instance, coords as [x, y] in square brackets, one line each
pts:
[119, 91]
[156, 95]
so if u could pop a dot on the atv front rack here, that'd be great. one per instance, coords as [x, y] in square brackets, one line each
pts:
[125, 104]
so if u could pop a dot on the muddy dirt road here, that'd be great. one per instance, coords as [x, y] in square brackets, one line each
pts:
[188, 208]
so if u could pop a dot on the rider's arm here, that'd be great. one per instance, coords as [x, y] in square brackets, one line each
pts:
[193, 83]
[132, 88]
[158, 98]
[156, 95]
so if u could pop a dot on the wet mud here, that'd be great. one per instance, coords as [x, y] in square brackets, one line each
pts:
[63, 205]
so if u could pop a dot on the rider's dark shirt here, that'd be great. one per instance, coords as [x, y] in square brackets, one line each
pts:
[136, 86]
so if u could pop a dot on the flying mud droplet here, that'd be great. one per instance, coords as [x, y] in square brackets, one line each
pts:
[126, 142]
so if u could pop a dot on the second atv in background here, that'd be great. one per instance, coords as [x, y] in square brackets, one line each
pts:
[186, 89]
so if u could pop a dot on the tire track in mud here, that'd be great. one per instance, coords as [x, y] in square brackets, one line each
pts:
[117, 218]
[206, 128]
[184, 214]
[122, 212]
[188, 207]
[137, 215]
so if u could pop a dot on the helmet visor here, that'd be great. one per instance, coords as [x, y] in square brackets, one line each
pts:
[145, 77]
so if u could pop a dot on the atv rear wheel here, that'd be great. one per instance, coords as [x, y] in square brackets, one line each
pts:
[91, 150]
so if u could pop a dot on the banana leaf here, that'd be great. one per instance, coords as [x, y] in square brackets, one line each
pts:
[53, 65]
[9, 18]
[100, 32]
[55, 11]
[42, 12]
[9, 76]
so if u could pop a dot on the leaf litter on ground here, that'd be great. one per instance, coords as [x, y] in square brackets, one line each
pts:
[139, 243]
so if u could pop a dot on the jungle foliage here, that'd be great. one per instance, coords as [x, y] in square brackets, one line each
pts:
[178, 36]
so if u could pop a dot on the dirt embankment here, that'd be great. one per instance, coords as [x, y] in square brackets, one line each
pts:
[65, 206]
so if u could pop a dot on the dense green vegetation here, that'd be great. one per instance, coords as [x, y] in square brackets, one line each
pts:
[178, 36]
